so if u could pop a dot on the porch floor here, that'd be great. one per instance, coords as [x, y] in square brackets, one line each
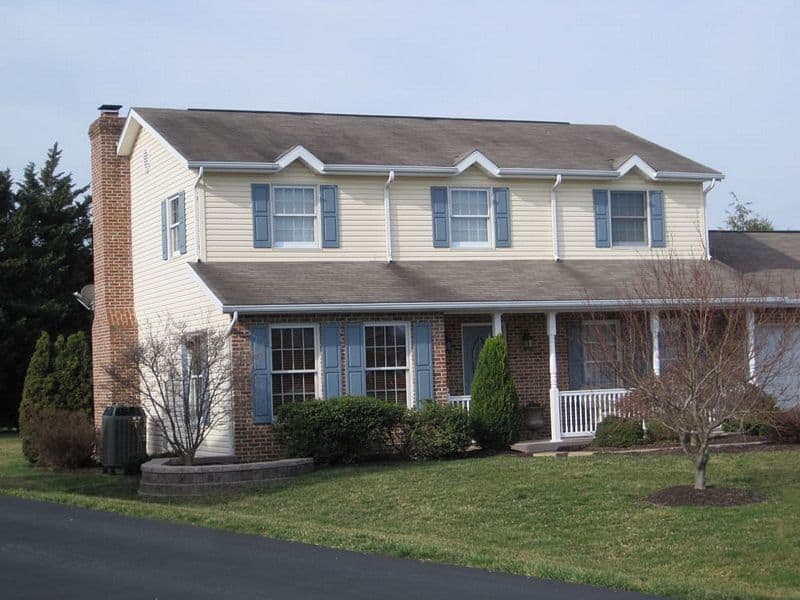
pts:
[535, 446]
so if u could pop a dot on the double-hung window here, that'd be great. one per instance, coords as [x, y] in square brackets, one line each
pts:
[600, 351]
[386, 349]
[295, 216]
[195, 368]
[470, 218]
[294, 364]
[628, 218]
[175, 221]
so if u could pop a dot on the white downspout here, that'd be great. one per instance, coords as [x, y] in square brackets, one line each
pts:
[234, 319]
[554, 216]
[387, 208]
[710, 187]
[197, 181]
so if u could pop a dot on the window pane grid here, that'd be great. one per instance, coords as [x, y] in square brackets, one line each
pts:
[294, 369]
[386, 362]
[469, 216]
[294, 215]
[628, 218]
[597, 367]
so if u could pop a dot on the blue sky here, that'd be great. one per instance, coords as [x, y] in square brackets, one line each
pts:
[717, 81]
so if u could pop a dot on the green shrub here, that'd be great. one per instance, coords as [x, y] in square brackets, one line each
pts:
[38, 392]
[72, 371]
[438, 431]
[617, 432]
[342, 430]
[65, 439]
[494, 408]
[658, 432]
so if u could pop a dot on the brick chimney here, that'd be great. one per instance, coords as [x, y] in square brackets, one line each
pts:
[114, 325]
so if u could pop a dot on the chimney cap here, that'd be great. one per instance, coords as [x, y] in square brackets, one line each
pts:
[109, 108]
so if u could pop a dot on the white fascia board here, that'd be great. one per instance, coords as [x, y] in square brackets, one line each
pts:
[135, 123]
[207, 290]
[514, 306]
[678, 176]
[635, 162]
[301, 153]
[476, 157]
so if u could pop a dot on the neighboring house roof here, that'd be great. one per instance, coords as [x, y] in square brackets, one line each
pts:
[214, 138]
[770, 259]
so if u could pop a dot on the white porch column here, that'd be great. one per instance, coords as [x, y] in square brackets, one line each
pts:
[751, 344]
[497, 323]
[655, 330]
[555, 402]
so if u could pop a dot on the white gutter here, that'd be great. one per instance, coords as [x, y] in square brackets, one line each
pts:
[430, 170]
[554, 216]
[707, 242]
[387, 208]
[197, 181]
[234, 319]
[517, 305]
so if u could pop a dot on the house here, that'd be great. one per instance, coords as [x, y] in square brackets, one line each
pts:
[373, 255]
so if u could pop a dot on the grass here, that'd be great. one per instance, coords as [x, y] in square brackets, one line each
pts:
[579, 519]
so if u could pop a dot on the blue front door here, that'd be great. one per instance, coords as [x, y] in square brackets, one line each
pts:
[473, 338]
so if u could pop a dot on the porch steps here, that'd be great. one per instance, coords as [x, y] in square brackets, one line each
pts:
[537, 446]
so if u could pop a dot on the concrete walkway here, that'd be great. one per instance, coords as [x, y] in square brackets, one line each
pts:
[56, 551]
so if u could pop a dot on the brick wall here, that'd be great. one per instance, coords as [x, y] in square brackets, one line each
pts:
[259, 442]
[114, 325]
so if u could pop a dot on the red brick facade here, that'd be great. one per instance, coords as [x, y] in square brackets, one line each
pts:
[258, 442]
[114, 325]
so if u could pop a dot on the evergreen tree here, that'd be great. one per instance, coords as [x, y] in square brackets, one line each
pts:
[494, 408]
[38, 392]
[45, 255]
[72, 368]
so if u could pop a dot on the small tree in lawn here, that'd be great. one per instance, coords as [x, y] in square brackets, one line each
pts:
[705, 324]
[183, 377]
[72, 370]
[494, 407]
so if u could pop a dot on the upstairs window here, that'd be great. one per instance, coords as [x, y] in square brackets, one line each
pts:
[295, 218]
[628, 219]
[175, 223]
[173, 226]
[470, 218]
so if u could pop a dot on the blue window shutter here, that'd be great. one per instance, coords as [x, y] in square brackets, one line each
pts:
[262, 376]
[575, 354]
[602, 224]
[259, 193]
[502, 218]
[658, 238]
[441, 239]
[423, 360]
[356, 374]
[182, 223]
[331, 363]
[164, 242]
[330, 215]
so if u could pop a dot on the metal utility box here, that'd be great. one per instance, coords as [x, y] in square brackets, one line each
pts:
[123, 436]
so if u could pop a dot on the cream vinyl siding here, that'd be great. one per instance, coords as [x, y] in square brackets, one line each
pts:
[684, 219]
[164, 289]
[229, 217]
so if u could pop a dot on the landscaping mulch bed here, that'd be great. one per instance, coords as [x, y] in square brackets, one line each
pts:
[686, 495]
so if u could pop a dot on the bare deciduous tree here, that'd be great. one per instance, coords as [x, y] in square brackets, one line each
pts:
[712, 332]
[183, 378]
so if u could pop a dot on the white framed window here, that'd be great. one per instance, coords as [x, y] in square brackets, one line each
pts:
[470, 218]
[195, 368]
[295, 363]
[174, 222]
[388, 373]
[600, 345]
[628, 210]
[295, 219]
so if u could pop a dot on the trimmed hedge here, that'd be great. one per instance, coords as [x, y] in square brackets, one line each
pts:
[494, 407]
[438, 431]
[617, 432]
[340, 430]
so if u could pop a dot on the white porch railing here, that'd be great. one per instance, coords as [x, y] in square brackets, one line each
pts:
[582, 410]
[462, 401]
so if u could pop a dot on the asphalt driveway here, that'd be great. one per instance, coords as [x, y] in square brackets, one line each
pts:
[56, 551]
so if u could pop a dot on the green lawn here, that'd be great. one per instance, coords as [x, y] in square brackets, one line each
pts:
[579, 519]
